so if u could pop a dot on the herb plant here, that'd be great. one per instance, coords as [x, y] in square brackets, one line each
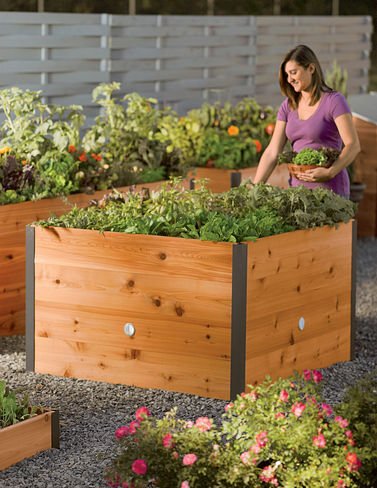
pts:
[242, 214]
[360, 407]
[325, 156]
[14, 408]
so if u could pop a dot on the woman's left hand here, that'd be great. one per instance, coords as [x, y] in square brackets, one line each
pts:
[317, 175]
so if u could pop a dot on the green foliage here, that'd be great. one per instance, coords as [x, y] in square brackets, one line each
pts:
[133, 136]
[242, 214]
[13, 407]
[360, 407]
[277, 434]
[325, 157]
[230, 136]
[337, 78]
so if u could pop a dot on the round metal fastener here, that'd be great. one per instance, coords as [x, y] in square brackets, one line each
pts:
[301, 323]
[129, 329]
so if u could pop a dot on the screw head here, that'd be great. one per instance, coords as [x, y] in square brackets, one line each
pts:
[129, 329]
[301, 323]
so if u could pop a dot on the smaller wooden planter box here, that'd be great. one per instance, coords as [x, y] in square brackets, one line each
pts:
[220, 180]
[27, 438]
[13, 219]
[365, 169]
[186, 315]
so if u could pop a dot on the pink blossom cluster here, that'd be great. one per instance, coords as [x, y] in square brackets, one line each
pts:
[268, 476]
[312, 374]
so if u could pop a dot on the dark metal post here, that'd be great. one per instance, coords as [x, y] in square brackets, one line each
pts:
[55, 429]
[238, 332]
[353, 287]
[30, 298]
[235, 179]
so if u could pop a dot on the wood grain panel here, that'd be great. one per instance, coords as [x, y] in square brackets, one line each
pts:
[25, 439]
[13, 219]
[219, 180]
[116, 364]
[299, 274]
[365, 168]
[176, 293]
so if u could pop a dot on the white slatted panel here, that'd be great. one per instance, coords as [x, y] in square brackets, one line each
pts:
[181, 60]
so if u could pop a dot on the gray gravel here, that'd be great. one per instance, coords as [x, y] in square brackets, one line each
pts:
[91, 411]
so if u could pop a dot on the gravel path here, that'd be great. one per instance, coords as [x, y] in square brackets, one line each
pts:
[91, 411]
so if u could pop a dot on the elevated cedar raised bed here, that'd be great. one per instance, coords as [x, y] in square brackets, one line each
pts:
[13, 219]
[23, 440]
[220, 180]
[209, 318]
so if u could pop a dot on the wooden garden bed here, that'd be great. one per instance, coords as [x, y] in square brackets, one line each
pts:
[23, 440]
[209, 318]
[13, 219]
[220, 180]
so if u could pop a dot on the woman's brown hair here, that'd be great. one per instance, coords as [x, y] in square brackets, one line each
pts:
[303, 56]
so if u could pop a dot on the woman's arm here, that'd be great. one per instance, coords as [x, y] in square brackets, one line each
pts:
[269, 158]
[349, 152]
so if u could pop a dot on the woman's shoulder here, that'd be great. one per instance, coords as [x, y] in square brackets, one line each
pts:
[334, 96]
[336, 102]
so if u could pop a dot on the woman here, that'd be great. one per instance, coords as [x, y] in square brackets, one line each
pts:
[312, 116]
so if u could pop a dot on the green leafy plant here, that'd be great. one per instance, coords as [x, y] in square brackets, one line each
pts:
[230, 136]
[134, 136]
[360, 407]
[325, 157]
[277, 434]
[337, 78]
[13, 407]
[242, 214]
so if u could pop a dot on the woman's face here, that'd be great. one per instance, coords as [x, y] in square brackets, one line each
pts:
[298, 77]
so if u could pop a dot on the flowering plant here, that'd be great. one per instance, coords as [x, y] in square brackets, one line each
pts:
[277, 434]
[232, 136]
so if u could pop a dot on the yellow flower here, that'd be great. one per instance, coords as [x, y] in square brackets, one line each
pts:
[5, 149]
[233, 130]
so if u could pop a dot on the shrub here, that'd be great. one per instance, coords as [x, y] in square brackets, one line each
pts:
[277, 434]
[360, 407]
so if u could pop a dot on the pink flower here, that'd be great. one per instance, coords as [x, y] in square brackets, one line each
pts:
[340, 484]
[142, 413]
[189, 424]
[307, 374]
[167, 441]
[298, 409]
[228, 406]
[319, 441]
[245, 457]
[349, 434]
[354, 463]
[261, 439]
[122, 431]
[189, 459]
[139, 467]
[133, 426]
[185, 484]
[279, 415]
[327, 409]
[342, 422]
[174, 455]
[284, 395]
[268, 476]
[203, 423]
[317, 376]
[255, 448]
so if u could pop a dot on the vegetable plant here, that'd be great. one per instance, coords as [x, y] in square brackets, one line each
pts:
[13, 407]
[241, 214]
[324, 156]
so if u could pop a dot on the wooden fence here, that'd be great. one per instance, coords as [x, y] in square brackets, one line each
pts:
[181, 60]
